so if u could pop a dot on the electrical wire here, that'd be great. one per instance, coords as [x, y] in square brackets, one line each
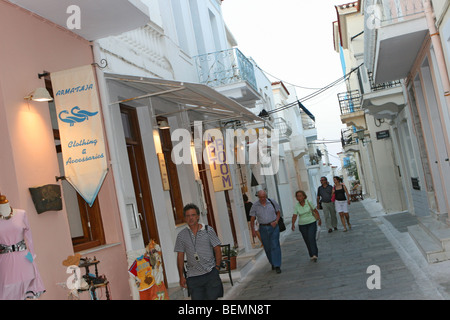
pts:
[291, 84]
[316, 93]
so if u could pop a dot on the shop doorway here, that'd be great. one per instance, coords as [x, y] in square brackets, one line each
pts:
[174, 189]
[139, 174]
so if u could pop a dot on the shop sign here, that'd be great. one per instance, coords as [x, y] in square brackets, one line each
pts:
[81, 130]
[382, 134]
[163, 170]
[216, 158]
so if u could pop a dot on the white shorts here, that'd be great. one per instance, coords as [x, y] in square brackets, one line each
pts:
[341, 206]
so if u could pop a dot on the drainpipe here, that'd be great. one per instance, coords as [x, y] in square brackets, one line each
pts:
[438, 50]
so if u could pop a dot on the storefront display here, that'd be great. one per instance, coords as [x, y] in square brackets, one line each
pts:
[19, 276]
[149, 275]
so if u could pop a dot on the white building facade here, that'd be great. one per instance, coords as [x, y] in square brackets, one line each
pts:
[402, 83]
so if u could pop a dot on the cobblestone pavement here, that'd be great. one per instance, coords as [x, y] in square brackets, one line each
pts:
[341, 271]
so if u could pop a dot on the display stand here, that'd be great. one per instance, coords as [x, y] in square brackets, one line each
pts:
[94, 282]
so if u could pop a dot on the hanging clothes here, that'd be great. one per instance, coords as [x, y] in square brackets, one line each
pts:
[148, 271]
[19, 276]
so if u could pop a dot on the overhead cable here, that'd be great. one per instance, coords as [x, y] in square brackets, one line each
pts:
[316, 93]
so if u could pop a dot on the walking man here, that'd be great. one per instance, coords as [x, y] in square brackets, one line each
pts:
[268, 213]
[203, 254]
[324, 193]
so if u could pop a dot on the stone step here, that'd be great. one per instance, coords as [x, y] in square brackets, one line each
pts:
[427, 244]
[436, 229]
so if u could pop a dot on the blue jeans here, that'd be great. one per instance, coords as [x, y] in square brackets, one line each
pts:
[308, 232]
[270, 238]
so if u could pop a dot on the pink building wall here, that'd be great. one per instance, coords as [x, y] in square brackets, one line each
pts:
[30, 45]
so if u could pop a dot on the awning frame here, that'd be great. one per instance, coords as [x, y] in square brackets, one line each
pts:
[202, 98]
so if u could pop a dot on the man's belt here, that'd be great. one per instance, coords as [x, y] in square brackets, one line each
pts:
[266, 224]
[19, 246]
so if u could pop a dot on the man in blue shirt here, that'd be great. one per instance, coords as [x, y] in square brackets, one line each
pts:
[267, 212]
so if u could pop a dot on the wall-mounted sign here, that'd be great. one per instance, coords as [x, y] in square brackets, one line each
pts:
[81, 130]
[383, 134]
[216, 156]
[163, 170]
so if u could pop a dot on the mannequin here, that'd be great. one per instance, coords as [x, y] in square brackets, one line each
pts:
[5, 208]
[19, 276]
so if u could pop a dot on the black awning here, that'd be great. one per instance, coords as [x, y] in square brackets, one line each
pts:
[306, 111]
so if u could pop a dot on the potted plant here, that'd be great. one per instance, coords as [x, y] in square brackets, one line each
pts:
[231, 256]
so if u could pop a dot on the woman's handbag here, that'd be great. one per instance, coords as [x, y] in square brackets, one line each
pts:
[333, 197]
[313, 212]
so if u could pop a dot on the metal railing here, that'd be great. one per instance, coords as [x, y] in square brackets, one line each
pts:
[283, 125]
[225, 67]
[349, 101]
[382, 86]
[347, 137]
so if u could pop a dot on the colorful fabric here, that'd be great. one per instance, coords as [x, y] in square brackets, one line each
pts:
[142, 270]
[156, 292]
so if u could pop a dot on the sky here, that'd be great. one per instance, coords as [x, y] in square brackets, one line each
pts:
[292, 40]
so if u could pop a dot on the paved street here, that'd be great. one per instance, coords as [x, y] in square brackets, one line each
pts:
[341, 271]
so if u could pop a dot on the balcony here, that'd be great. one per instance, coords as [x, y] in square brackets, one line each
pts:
[352, 112]
[385, 100]
[230, 73]
[394, 33]
[349, 140]
[284, 127]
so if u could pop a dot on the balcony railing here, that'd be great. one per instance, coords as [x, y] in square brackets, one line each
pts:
[283, 125]
[393, 11]
[380, 13]
[224, 68]
[347, 137]
[349, 101]
[382, 86]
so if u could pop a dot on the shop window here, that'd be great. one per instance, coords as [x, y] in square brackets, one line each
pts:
[85, 223]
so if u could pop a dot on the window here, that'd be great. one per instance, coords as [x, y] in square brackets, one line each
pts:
[85, 223]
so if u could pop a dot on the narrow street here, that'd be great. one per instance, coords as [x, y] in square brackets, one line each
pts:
[344, 257]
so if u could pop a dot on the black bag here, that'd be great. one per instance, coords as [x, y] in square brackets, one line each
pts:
[281, 224]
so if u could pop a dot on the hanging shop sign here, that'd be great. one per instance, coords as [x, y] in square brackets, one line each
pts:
[163, 170]
[81, 130]
[216, 158]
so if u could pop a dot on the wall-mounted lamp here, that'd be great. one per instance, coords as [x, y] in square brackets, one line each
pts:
[163, 124]
[360, 134]
[40, 95]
